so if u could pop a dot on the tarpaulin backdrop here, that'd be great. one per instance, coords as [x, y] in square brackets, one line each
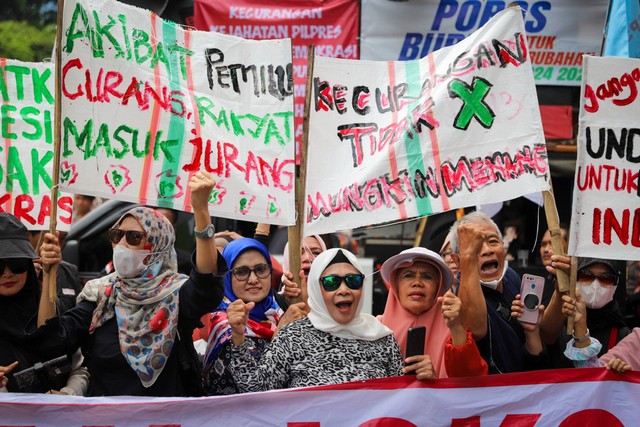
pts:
[146, 103]
[564, 397]
[396, 140]
[559, 31]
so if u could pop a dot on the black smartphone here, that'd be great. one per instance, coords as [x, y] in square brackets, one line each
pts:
[415, 341]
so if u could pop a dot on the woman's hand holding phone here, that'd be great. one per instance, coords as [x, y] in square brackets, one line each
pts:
[416, 362]
[421, 366]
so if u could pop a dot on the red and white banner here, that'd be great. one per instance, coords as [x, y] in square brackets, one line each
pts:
[330, 25]
[564, 397]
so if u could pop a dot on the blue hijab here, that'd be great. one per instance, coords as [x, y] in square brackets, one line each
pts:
[231, 253]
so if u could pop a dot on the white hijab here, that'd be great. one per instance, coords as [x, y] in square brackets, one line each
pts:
[363, 326]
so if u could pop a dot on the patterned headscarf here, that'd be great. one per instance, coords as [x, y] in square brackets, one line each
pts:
[146, 307]
[263, 318]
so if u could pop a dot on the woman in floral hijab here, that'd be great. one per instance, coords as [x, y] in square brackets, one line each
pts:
[130, 322]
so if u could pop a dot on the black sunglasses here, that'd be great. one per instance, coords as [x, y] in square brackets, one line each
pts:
[606, 279]
[133, 237]
[16, 265]
[333, 282]
[242, 273]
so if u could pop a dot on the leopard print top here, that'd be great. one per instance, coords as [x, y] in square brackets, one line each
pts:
[301, 355]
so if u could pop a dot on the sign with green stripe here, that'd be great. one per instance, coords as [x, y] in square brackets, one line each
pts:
[396, 140]
[146, 104]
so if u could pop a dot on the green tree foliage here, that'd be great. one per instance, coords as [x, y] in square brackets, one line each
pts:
[27, 29]
[26, 42]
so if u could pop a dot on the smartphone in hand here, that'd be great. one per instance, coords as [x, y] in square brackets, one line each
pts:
[415, 341]
[531, 295]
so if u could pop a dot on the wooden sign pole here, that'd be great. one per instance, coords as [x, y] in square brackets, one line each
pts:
[421, 227]
[53, 221]
[572, 290]
[556, 237]
[295, 232]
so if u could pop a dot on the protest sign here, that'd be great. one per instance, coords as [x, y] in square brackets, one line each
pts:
[396, 140]
[545, 398]
[331, 26]
[146, 103]
[605, 220]
[26, 112]
[559, 31]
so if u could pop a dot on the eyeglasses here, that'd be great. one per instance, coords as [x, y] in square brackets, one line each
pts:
[16, 265]
[133, 237]
[242, 273]
[333, 282]
[606, 279]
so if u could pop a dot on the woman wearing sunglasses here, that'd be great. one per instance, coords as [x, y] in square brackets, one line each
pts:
[585, 350]
[596, 285]
[19, 296]
[130, 322]
[335, 343]
[248, 281]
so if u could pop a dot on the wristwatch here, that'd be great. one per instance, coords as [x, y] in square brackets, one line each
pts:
[205, 234]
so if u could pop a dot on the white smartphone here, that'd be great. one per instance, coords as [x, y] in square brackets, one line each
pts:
[531, 295]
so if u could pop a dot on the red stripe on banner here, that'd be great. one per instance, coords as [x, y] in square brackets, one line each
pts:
[196, 113]
[155, 122]
[433, 136]
[392, 152]
[551, 376]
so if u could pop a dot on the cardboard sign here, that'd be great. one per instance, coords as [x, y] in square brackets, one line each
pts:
[605, 221]
[396, 140]
[146, 103]
[26, 114]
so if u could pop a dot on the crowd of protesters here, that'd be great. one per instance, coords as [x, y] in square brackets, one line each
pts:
[130, 332]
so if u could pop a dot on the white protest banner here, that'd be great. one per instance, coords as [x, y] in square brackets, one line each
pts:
[563, 397]
[146, 103]
[605, 219]
[26, 113]
[559, 31]
[396, 140]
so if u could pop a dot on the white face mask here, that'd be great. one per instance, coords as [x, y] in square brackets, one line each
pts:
[494, 283]
[129, 263]
[595, 295]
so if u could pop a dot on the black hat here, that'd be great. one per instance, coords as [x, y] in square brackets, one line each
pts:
[13, 239]
[584, 262]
